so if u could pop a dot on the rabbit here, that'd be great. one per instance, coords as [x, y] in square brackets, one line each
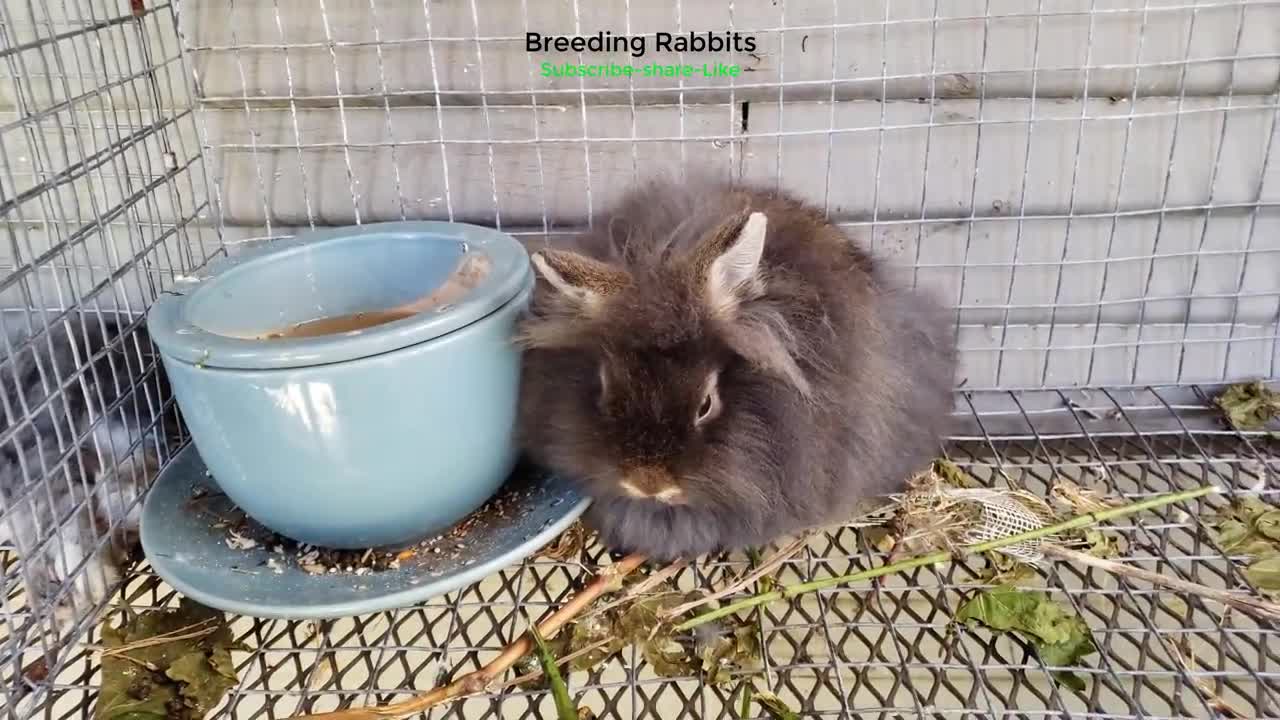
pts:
[73, 468]
[718, 367]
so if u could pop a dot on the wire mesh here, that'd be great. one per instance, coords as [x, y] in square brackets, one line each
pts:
[886, 648]
[1090, 183]
[101, 185]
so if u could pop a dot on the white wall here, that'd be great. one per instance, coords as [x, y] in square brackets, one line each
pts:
[1138, 167]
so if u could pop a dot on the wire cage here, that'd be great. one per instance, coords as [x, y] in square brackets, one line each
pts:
[1090, 183]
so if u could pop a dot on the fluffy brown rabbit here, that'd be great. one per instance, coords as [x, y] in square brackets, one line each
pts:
[718, 367]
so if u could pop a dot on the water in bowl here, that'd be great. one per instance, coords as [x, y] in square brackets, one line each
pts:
[471, 269]
[338, 324]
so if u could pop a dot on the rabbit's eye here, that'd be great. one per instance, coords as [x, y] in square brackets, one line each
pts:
[604, 384]
[710, 406]
[705, 409]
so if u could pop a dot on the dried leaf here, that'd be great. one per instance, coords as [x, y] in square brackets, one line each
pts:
[37, 671]
[766, 583]
[183, 676]
[773, 705]
[640, 619]
[642, 623]
[1005, 570]
[1098, 543]
[568, 545]
[1249, 406]
[667, 657]
[714, 653]
[880, 539]
[726, 653]
[953, 475]
[1058, 635]
[590, 631]
[565, 709]
[602, 634]
[1082, 500]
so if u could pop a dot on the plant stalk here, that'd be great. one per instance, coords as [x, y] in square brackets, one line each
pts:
[1245, 603]
[478, 680]
[942, 556]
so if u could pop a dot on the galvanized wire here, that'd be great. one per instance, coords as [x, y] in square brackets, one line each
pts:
[884, 648]
[1089, 184]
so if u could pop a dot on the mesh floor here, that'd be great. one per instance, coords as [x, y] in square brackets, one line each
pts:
[1090, 183]
[886, 648]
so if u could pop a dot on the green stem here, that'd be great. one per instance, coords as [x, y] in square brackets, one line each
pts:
[942, 556]
[565, 709]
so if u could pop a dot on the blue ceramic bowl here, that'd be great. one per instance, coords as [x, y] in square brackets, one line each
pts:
[370, 437]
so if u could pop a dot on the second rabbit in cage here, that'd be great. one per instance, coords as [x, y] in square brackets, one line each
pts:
[72, 416]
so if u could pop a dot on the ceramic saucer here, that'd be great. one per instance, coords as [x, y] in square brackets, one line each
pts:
[187, 539]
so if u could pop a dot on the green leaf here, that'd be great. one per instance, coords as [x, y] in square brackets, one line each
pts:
[565, 709]
[1267, 524]
[1249, 526]
[199, 682]
[220, 659]
[1249, 406]
[130, 692]
[1059, 636]
[1249, 507]
[185, 676]
[1099, 544]
[1070, 680]
[1231, 534]
[773, 705]
[1264, 573]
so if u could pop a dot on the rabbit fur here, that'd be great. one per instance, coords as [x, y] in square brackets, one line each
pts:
[719, 366]
[73, 463]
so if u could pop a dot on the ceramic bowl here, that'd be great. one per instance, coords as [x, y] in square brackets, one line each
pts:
[368, 437]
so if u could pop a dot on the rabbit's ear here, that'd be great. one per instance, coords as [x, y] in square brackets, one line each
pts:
[578, 278]
[727, 261]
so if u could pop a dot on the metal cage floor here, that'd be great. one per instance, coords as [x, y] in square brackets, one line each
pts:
[883, 649]
[1090, 183]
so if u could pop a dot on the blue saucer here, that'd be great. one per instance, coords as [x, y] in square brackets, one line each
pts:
[185, 537]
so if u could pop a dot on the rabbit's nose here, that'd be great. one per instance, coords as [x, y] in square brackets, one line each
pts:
[652, 483]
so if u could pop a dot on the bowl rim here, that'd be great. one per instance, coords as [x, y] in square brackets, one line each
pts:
[180, 339]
